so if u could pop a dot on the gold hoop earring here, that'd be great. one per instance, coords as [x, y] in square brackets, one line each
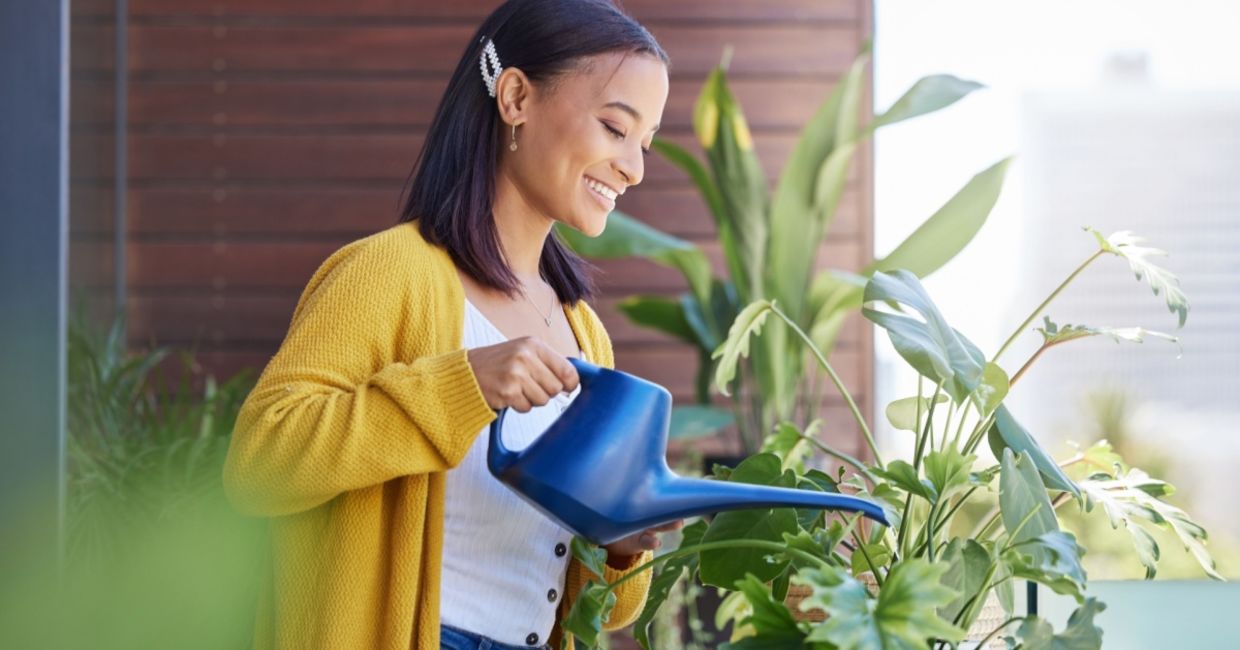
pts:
[513, 146]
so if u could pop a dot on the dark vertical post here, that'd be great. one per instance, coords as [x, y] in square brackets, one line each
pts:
[1031, 598]
[34, 71]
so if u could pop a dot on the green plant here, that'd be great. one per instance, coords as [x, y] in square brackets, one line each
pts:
[140, 449]
[933, 568]
[770, 240]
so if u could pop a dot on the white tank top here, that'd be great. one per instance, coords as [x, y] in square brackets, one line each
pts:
[504, 562]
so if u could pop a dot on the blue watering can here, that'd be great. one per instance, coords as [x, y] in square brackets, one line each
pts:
[600, 470]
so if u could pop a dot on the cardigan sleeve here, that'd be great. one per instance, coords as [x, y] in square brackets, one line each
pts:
[333, 411]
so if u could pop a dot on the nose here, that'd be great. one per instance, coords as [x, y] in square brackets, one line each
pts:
[631, 166]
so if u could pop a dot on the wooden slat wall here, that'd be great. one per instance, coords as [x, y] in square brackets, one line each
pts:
[264, 134]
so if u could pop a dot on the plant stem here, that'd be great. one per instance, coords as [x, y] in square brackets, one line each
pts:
[831, 451]
[1020, 330]
[878, 578]
[967, 613]
[986, 639]
[839, 384]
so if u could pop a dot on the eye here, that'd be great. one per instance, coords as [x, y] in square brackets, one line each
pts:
[615, 132]
[620, 136]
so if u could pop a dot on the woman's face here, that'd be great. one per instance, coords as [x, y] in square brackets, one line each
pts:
[590, 132]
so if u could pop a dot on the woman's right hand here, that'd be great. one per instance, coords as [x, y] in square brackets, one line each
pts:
[521, 374]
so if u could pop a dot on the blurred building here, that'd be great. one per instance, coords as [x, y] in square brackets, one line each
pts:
[1126, 155]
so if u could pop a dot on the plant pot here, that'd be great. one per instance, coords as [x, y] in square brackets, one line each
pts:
[991, 615]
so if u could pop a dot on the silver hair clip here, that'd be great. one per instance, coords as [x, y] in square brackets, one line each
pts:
[488, 54]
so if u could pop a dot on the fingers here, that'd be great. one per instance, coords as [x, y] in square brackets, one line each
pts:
[559, 366]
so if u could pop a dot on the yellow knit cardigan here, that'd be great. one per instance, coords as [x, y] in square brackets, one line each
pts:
[345, 441]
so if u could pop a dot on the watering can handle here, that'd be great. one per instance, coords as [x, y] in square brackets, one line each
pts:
[587, 372]
[500, 457]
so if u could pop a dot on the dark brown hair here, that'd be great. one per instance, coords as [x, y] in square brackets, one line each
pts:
[453, 179]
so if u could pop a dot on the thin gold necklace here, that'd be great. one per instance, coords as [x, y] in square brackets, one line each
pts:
[546, 318]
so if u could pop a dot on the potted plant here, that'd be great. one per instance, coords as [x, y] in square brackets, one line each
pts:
[770, 240]
[923, 581]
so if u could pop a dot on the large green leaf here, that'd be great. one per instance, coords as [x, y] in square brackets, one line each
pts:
[948, 470]
[701, 178]
[941, 237]
[968, 563]
[1128, 246]
[902, 413]
[927, 95]
[903, 617]
[659, 313]
[724, 135]
[1080, 634]
[1132, 497]
[1052, 559]
[1007, 433]
[771, 620]
[1026, 510]
[930, 345]
[625, 236]
[723, 567]
[795, 228]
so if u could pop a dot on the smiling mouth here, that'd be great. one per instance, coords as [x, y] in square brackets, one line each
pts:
[604, 200]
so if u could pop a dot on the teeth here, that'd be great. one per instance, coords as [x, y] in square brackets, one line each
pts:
[601, 189]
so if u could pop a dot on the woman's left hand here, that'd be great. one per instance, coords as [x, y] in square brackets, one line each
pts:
[645, 540]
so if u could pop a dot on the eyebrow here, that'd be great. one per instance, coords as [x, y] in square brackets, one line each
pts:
[630, 110]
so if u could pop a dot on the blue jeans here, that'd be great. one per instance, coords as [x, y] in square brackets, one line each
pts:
[454, 638]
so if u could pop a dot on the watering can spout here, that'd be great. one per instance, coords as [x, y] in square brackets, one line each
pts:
[689, 496]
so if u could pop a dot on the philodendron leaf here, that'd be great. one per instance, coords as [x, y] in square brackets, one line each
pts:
[788, 443]
[625, 236]
[1132, 498]
[771, 620]
[968, 562]
[723, 567]
[903, 616]
[1023, 504]
[590, 555]
[948, 470]
[1080, 634]
[591, 609]
[697, 420]
[748, 322]
[662, 584]
[930, 345]
[1007, 433]
[1128, 246]
[993, 389]
[902, 413]
[904, 476]
[1053, 334]
[1052, 559]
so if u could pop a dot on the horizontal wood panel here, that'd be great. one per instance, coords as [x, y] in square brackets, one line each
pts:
[349, 213]
[694, 49]
[212, 317]
[672, 368]
[341, 158]
[375, 103]
[643, 10]
[268, 265]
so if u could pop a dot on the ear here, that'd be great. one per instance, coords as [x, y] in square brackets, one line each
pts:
[514, 93]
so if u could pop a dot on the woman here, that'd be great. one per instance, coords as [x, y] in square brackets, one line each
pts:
[365, 438]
